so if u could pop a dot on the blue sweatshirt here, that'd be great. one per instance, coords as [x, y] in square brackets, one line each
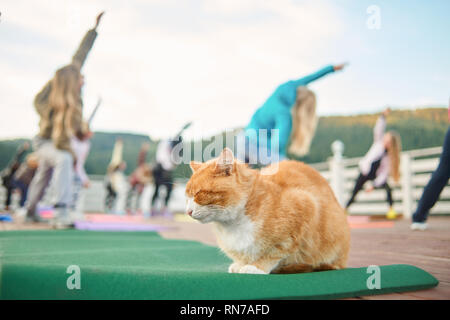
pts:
[275, 113]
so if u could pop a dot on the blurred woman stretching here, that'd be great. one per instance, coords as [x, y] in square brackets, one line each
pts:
[291, 112]
[381, 161]
[59, 106]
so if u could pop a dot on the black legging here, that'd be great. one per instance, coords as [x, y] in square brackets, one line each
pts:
[162, 178]
[436, 184]
[8, 184]
[110, 196]
[362, 179]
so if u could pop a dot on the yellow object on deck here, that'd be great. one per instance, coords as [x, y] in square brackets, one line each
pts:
[391, 214]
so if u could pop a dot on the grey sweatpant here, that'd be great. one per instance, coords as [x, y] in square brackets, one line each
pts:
[55, 166]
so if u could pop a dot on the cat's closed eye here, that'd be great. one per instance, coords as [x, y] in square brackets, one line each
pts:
[207, 197]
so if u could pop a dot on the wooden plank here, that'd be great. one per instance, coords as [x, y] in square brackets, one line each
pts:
[441, 292]
[390, 296]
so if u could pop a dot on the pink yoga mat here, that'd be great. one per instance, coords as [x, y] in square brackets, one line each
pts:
[103, 217]
[118, 226]
[364, 222]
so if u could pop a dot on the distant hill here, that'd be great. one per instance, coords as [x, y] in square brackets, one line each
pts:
[421, 128]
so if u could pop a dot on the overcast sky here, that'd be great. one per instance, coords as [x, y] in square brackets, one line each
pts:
[159, 63]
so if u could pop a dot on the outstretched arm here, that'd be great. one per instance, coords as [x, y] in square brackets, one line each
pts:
[318, 74]
[86, 44]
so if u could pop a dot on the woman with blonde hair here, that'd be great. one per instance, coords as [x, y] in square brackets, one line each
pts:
[59, 106]
[380, 162]
[291, 112]
[304, 122]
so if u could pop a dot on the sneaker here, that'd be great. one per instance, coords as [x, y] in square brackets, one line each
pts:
[33, 220]
[59, 225]
[62, 219]
[391, 214]
[419, 226]
[154, 212]
[20, 215]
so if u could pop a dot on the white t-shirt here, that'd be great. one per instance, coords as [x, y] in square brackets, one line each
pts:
[164, 155]
[376, 152]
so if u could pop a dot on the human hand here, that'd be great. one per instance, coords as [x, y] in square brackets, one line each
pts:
[99, 17]
[338, 67]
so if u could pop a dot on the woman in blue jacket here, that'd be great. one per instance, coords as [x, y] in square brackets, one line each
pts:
[291, 111]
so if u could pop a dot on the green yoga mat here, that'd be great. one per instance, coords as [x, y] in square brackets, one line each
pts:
[142, 265]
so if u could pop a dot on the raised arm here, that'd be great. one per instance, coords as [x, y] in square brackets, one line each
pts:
[86, 44]
[142, 154]
[380, 126]
[41, 99]
[117, 153]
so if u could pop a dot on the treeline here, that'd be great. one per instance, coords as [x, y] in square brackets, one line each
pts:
[422, 128]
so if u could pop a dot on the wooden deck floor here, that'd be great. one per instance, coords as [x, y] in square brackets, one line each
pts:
[429, 250]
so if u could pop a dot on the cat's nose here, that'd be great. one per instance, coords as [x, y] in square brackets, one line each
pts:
[189, 212]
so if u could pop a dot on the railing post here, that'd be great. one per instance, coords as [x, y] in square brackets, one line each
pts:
[407, 188]
[337, 178]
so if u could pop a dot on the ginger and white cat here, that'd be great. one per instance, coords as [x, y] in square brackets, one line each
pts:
[286, 222]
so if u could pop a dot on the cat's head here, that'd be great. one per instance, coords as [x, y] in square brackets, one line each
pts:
[218, 189]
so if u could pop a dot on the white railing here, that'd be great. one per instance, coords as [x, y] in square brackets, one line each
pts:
[341, 172]
[416, 169]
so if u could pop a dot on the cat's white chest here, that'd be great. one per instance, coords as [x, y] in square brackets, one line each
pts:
[238, 236]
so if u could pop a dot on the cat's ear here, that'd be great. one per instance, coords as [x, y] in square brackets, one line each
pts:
[195, 165]
[225, 161]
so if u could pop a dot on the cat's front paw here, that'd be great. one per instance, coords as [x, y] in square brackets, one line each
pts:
[251, 269]
[234, 267]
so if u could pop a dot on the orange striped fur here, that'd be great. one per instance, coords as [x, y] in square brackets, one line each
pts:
[285, 222]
